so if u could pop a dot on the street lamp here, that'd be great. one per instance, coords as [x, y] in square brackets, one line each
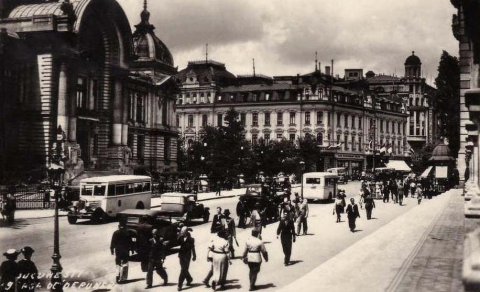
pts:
[302, 166]
[56, 173]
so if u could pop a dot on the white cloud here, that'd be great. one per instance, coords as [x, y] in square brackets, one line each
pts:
[283, 36]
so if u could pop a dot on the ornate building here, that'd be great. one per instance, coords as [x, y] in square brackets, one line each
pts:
[289, 107]
[76, 65]
[417, 95]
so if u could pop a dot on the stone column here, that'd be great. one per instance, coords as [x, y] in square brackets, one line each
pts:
[62, 113]
[117, 114]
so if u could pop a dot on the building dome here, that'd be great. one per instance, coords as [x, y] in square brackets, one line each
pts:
[441, 153]
[147, 46]
[413, 60]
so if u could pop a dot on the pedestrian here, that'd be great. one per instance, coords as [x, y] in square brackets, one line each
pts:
[369, 205]
[206, 281]
[378, 190]
[10, 206]
[27, 271]
[220, 259]
[419, 193]
[217, 221]
[185, 254]
[46, 199]
[120, 246]
[9, 271]
[229, 227]
[252, 256]
[286, 230]
[394, 191]
[219, 188]
[242, 213]
[400, 191]
[361, 194]
[386, 192]
[412, 188]
[352, 214]
[256, 220]
[156, 258]
[302, 217]
[338, 208]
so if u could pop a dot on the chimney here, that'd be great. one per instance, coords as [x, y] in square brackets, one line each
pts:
[327, 70]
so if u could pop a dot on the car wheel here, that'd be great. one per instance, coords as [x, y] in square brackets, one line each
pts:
[98, 217]
[72, 219]
[140, 206]
[206, 217]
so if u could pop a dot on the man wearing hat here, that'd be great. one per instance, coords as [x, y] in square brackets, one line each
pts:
[27, 271]
[9, 270]
[120, 246]
[156, 258]
[185, 254]
[229, 225]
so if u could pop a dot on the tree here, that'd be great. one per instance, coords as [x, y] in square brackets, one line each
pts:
[447, 99]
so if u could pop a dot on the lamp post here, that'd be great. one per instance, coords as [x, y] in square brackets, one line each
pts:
[56, 173]
[302, 168]
[468, 156]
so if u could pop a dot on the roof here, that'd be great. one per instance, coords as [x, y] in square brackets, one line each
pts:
[383, 78]
[441, 152]
[259, 87]
[413, 60]
[399, 165]
[205, 72]
[114, 178]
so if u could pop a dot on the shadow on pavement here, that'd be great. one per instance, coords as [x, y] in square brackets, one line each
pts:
[295, 262]
[17, 224]
[192, 286]
[101, 290]
[357, 230]
[133, 280]
[264, 286]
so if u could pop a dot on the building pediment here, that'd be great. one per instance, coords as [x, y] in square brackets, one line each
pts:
[254, 131]
[266, 131]
[320, 130]
[279, 130]
[307, 130]
[292, 130]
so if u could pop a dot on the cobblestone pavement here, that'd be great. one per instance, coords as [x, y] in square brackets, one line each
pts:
[438, 264]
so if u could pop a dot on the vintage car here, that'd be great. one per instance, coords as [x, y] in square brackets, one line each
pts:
[185, 206]
[141, 223]
[268, 202]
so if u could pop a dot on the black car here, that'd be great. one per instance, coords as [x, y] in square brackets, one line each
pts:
[268, 202]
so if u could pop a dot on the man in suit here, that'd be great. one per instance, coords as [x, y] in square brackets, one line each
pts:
[352, 214]
[185, 254]
[156, 258]
[217, 221]
[286, 230]
[121, 245]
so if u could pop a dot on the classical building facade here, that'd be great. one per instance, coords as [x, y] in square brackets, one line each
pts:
[290, 107]
[418, 97]
[466, 31]
[77, 65]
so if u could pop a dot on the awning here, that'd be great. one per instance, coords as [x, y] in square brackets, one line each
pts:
[441, 171]
[399, 165]
[427, 171]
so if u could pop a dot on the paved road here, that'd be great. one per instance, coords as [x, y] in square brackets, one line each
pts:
[86, 256]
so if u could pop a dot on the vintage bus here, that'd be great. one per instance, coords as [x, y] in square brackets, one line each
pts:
[103, 197]
[319, 186]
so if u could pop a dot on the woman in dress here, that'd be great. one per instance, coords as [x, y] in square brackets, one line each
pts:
[220, 250]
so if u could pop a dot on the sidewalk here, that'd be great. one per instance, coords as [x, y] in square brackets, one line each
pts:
[156, 202]
[421, 250]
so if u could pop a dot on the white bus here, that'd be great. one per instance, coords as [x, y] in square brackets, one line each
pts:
[105, 196]
[319, 185]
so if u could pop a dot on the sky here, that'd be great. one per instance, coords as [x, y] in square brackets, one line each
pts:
[283, 35]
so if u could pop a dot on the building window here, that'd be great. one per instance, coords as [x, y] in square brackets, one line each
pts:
[292, 137]
[94, 95]
[190, 121]
[320, 139]
[166, 149]
[307, 118]
[140, 110]
[353, 143]
[319, 118]
[267, 119]
[254, 138]
[266, 137]
[381, 126]
[359, 123]
[292, 118]
[255, 119]
[164, 111]
[338, 139]
[359, 143]
[353, 122]
[399, 129]
[339, 118]
[243, 119]
[328, 119]
[178, 120]
[279, 119]
[141, 148]
[81, 92]
[345, 121]
[267, 96]
[345, 141]
[95, 144]
[279, 137]
[204, 120]
[219, 120]
[131, 137]
[388, 126]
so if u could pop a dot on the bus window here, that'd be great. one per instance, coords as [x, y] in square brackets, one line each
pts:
[313, 180]
[138, 187]
[146, 186]
[329, 181]
[120, 190]
[99, 190]
[130, 189]
[111, 190]
[87, 191]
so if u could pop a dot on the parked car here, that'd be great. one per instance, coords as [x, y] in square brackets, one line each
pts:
[268, 203]
[472, 207]
[186, 206]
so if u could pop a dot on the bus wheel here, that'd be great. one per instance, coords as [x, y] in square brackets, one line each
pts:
[72, 219]
[98, 217]
[140, 206]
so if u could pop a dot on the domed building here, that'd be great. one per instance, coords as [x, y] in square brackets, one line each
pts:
[413, 66]
[76, 66]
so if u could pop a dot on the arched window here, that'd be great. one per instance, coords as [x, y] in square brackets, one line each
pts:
[320, 139]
